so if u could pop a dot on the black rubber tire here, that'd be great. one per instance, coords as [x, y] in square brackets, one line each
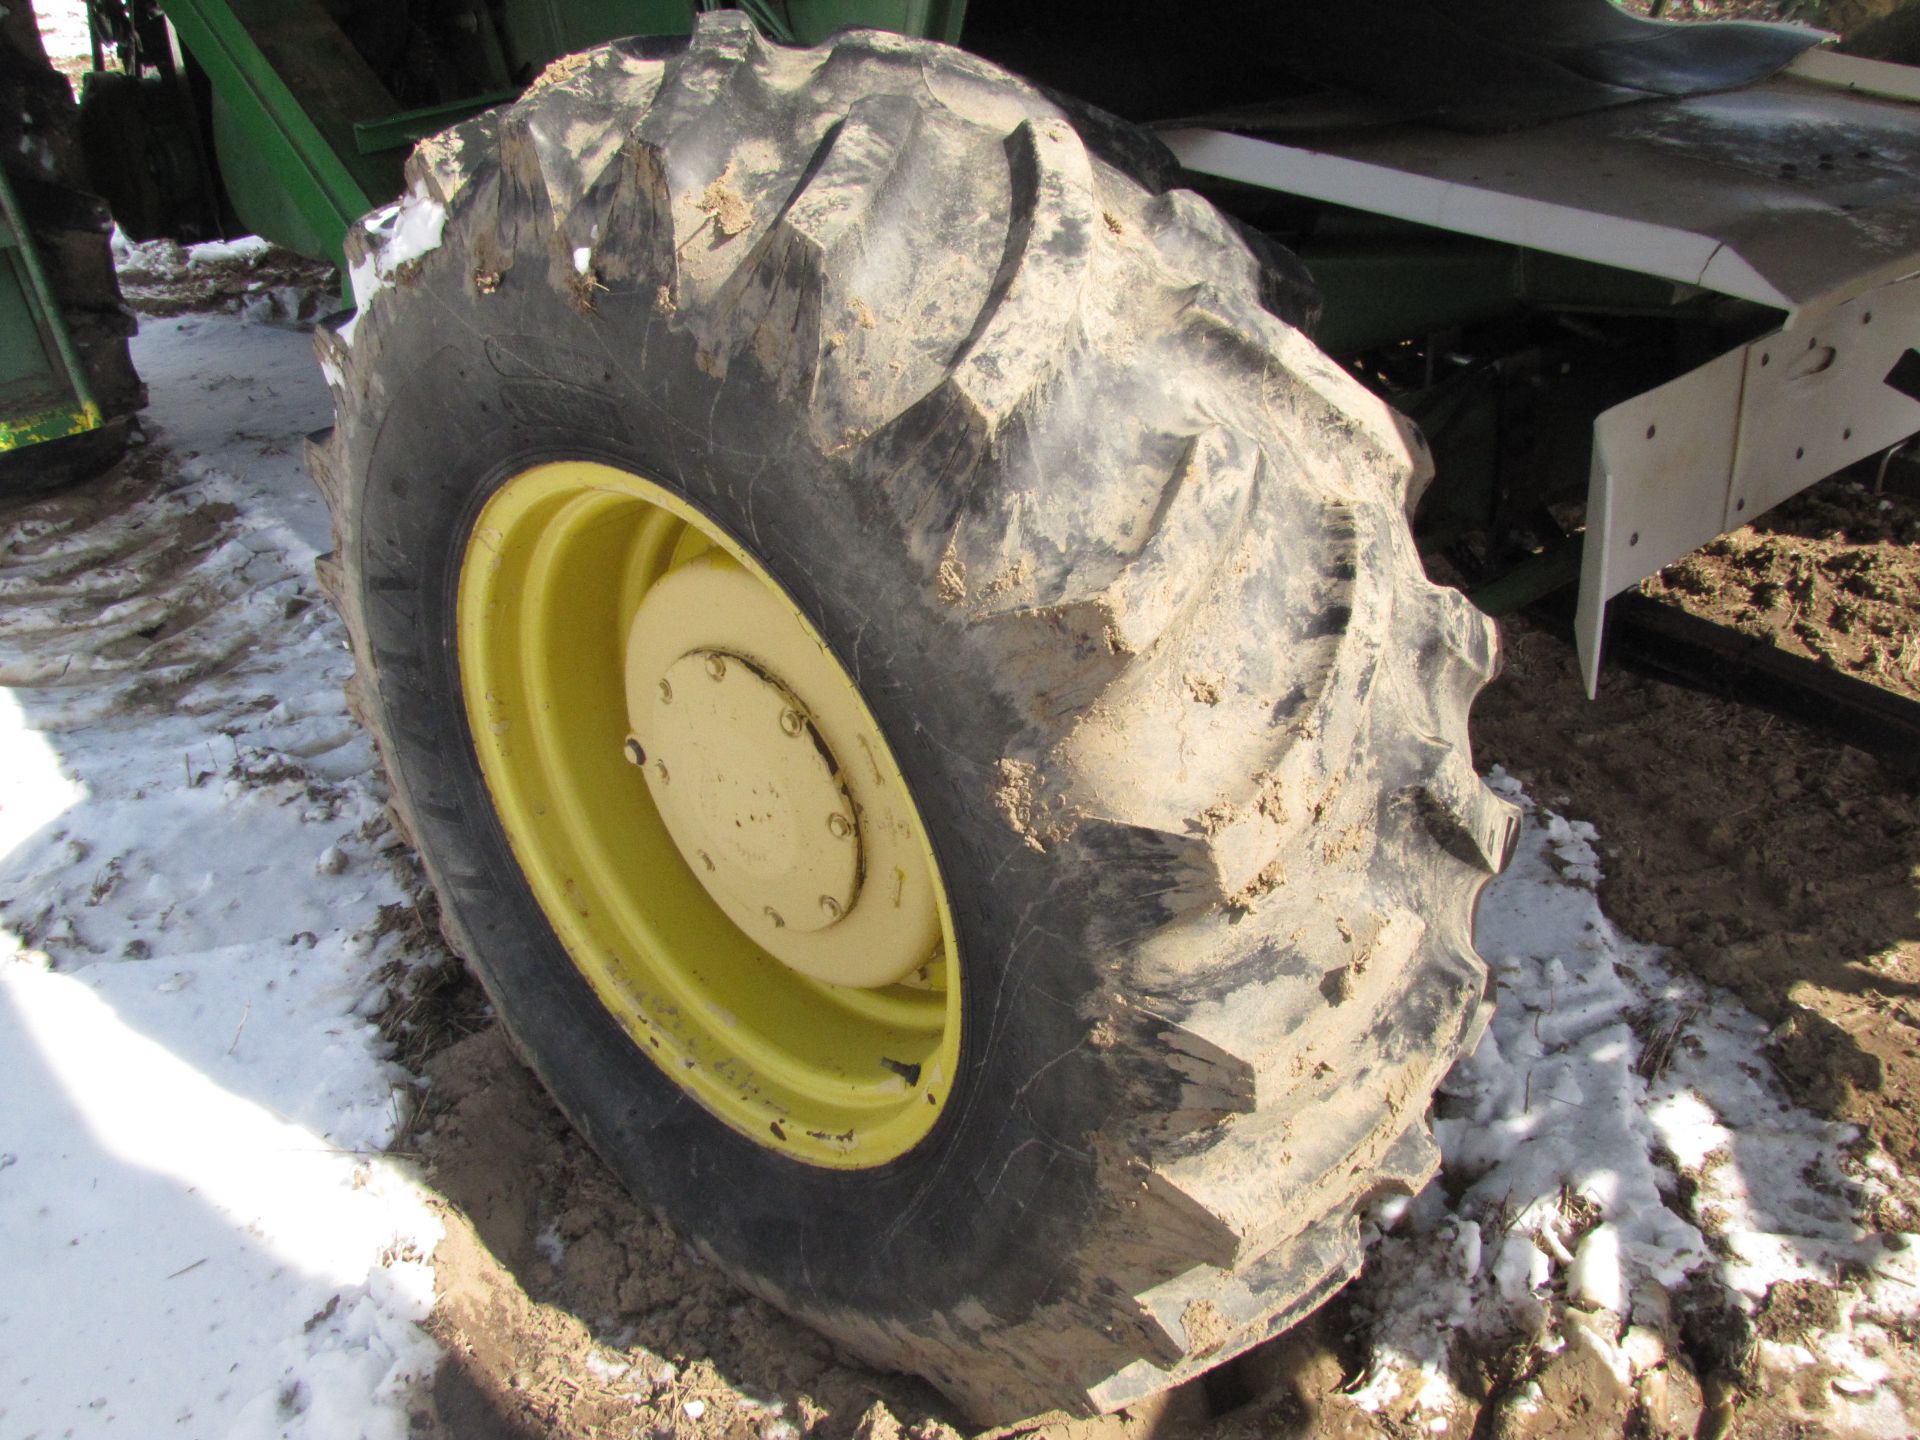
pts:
[1122, 565]
[1895, 37]
[70, 230]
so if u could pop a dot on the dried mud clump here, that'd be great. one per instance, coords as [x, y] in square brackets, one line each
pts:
[1832, 575]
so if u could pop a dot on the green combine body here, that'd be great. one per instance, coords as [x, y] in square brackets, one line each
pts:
[44, 393]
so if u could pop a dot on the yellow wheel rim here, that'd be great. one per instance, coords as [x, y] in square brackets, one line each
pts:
[708, 815]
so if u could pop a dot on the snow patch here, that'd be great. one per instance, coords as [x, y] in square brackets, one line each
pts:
[398, 234]
[198, 1230]
[1618, 1133]
[63, 28]
[214, 252]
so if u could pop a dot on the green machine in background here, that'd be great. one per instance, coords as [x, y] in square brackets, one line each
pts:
[44, 393]
[67, 386]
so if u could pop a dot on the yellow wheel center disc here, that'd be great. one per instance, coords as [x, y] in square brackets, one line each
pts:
[771, 779]
[748, 791]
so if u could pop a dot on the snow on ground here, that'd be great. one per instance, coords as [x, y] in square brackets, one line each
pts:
[63, 27]
[169, 255]
[199, 1234]
[1618, 1146]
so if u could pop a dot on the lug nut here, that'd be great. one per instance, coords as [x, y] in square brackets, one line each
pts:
[792, 722]
[635, 754]
[839, 826]
[716, 667]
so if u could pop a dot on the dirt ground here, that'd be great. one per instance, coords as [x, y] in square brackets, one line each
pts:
[1803, 895]
[1830, 575]
[160, 278]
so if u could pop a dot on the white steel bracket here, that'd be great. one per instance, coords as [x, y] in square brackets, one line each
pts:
[1705, 453]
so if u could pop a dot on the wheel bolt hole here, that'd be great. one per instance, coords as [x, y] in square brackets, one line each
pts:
[830, 907]
[792, 722]
[660, 770]
[666, 693]
[774, 919]
[705, 859]
[636, 754]
[839, 826]
[716, 667]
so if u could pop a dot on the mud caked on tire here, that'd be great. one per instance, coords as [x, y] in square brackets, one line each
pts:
[1120, 567]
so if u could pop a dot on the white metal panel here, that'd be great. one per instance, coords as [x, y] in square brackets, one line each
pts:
[1662, 462]
[1865, 77]
[1816, 398]
[1793, 193]
[1705, 453]
[1463, 209]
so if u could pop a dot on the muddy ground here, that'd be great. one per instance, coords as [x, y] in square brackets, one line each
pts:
[1829, 575]
[160, 278]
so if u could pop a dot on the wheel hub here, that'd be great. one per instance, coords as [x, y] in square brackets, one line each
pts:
[751, 795]
[761, 764]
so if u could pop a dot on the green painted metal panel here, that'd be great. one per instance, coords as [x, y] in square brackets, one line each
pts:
[1379, 289]
[400, 131]
[27, 369]
[55, 424]
[1534, 578]
[1385, 281]
[43, 389]
[289, 90]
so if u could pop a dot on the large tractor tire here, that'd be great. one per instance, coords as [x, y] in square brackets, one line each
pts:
[918, 698]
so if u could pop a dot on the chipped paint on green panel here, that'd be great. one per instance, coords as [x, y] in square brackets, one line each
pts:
[54, 424]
